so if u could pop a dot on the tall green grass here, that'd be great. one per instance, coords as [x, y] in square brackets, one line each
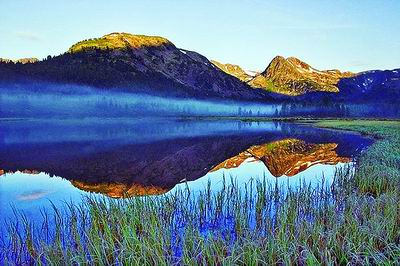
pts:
[379, 167]
[356, 220]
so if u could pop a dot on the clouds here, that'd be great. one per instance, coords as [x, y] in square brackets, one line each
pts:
[34, 195]
[27, 35]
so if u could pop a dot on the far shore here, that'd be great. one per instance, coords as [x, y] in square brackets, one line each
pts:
[216, 118]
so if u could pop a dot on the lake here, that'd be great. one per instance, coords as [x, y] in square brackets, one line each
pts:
[54, 161]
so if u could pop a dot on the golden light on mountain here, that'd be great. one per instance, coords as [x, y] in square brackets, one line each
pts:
[119, 41]
[233, 70]
[292, 76]
[287, 157]
[119, 190]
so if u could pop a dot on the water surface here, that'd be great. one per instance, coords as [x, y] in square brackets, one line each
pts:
[44, 161]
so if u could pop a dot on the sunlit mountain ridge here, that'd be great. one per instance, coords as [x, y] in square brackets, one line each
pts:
[154, 65]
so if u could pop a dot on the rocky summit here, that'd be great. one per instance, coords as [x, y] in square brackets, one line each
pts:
[292, 76]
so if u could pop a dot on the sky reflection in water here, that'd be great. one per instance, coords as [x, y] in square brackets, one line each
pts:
[136, 157]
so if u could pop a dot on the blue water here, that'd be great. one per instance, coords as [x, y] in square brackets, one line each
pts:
[42, 158]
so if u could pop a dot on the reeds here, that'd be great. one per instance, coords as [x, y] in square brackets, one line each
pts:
[355, 220]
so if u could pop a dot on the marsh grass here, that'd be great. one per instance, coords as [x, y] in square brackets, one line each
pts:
[354, 220]
[379, 168]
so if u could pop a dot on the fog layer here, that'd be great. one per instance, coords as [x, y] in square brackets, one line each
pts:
[77, 101]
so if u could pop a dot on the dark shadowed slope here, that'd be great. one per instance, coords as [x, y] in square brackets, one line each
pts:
[154, 65]
[373, 85]
[135, 63]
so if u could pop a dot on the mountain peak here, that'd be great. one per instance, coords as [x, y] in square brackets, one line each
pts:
[292, 76]
[278, 58]
[142, 64]
[290, 62]
[121, 40]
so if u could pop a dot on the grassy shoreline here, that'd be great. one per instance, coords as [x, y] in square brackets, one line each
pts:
[283, 119]
[354, 221]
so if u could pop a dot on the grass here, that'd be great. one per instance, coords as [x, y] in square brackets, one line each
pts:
[379, 170]
[354, 221]
[284, 119]
[118, 41]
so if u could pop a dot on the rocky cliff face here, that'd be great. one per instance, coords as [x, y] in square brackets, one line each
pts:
[287, 157]
[292, 76]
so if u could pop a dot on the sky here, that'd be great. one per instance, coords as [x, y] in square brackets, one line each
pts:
[346, 35]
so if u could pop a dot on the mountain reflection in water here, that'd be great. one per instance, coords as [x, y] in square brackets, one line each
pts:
[121, 164]
[288, 156]
[284, 157]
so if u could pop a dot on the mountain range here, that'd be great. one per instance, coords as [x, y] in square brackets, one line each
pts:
[292, 76]
[152, 64]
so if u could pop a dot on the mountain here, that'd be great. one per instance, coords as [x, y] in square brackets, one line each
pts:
[288, 156]
[292, 76]
[5, 60]
[288, 76]
[371, 85]
[118, 190]
[234, 70]
[303, 83]
[136, 63]
[154, 65]
[29, 60]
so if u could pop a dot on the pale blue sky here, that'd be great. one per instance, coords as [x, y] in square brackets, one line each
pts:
[349, 35]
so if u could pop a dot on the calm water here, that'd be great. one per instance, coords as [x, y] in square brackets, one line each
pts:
[44, 161]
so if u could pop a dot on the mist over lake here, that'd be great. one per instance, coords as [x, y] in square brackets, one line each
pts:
[199, 132]
[68, 101]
